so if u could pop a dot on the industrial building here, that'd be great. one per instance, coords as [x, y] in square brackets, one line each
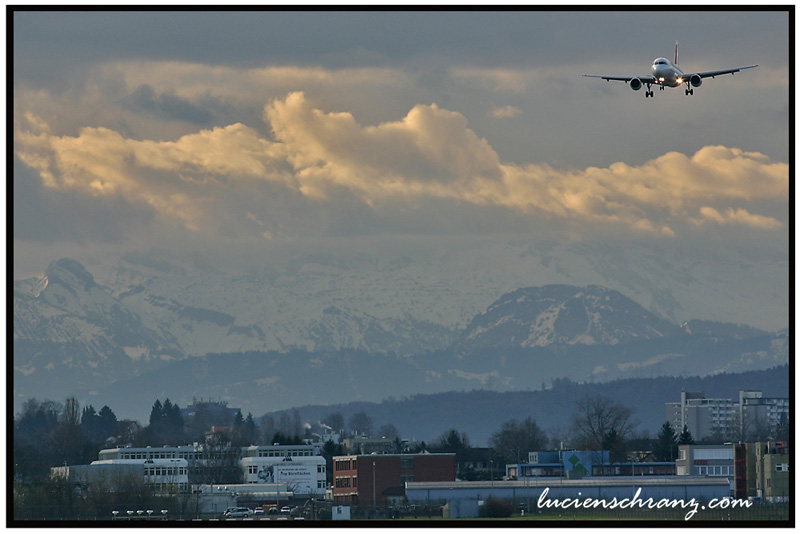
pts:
[464, 499]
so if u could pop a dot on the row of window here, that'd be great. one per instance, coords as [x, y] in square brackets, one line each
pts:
[346, 465]
[346, 482]
[196, 455]
[167, 486]
[715, 470]
[283, 454]
[164, 471]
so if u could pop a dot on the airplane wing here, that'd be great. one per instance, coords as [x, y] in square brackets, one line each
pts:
[713, 73]
[626, 79]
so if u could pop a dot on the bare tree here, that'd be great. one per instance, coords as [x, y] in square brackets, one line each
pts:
[335, 421]
[515, 440]
[361, 423]
[597, 418]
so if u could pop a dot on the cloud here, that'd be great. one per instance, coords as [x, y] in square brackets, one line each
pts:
[430, 154]
[506, 112]
[738, 217]
[167, 105]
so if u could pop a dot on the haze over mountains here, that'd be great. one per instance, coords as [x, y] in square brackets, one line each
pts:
[331, 328]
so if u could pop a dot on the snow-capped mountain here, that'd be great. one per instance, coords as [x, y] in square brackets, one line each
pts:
[562, 314]
[69, 332]
[142, 312]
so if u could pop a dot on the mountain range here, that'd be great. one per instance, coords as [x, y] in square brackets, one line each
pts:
[266, 341]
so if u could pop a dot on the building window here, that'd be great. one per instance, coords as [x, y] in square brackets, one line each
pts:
[407, 463]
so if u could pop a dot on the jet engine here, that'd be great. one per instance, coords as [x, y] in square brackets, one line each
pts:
[636, 84]
[696, 80]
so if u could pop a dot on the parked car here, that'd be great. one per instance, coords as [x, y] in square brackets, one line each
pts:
[286, 510]
[273, 511]
[237, 512]
[258, 511]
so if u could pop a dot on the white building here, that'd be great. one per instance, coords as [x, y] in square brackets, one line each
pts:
[164, 475]
[300, 467]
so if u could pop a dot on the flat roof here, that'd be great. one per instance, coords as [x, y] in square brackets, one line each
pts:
[584, 482]
[423, 454]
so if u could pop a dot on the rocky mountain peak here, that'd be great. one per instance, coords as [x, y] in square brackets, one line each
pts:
[70, 273]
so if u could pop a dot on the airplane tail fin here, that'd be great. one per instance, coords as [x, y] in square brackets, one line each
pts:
[676, 52]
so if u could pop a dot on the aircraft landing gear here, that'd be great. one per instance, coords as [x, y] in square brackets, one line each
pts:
[648, 93]
[689, 92]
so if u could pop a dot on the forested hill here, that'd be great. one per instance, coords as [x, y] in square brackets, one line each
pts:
[480, 413]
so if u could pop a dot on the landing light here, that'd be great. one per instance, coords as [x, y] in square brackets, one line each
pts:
[661, 79]
[680, 80]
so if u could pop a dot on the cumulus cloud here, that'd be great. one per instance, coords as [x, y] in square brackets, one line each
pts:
[431, 153]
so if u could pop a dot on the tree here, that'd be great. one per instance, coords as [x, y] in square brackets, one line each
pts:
[666, 448]
[361, 423]
[456, 442]
[166, 423]
[596, 418]
[685, 437]
[107, 422]
[515, 440]
[334, 421]
[72, 444]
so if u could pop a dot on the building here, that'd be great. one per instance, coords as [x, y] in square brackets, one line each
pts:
[581, 464]
[364, 445]
[477, 463]
[206, 464]
[702, 416]
[301, 467]
[715, 461]
[376, 479]
[210, 412]
[464, 499]
[754, 415]
[763, 416]
[762, 471]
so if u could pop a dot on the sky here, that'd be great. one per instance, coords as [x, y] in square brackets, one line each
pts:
[240, 131]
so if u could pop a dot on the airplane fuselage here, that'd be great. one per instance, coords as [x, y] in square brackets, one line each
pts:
[667, 73]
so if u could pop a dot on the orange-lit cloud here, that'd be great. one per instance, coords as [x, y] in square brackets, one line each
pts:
[429, 153]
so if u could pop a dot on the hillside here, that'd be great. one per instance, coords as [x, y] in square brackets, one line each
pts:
[479, 413]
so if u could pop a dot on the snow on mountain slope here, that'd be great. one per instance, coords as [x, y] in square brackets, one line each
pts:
[563, 314]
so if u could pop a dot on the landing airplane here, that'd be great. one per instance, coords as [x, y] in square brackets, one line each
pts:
[667, 74]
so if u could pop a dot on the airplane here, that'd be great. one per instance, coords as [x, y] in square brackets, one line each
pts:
[665, 73]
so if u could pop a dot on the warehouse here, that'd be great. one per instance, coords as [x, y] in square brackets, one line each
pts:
[463, 499]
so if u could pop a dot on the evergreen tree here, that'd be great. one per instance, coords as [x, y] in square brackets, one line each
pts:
[685, 437]
[615, 445]
[455, 442]
[107, 422]
[666, 448]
